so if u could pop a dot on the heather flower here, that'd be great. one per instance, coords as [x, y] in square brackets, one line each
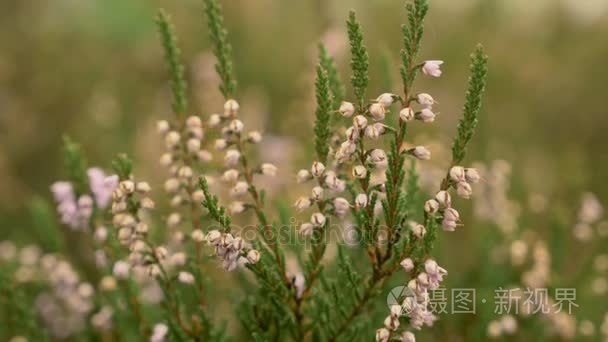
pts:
[385, 100]
[407, 114]
[426, 115]
[102, 186]
[432, 68]
[425, 100]
[377, 111]
[346, 109]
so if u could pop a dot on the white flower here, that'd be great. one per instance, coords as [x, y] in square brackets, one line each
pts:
[361, 201]
[382, 335]
[176, 201]
[457, 174]
[464, 189]
[198, 236]
[407, 264]
[421, 153]
[419, 230]
[317, 193]
[377, 111]
[174, 219]
[193, 145]
[214, 237]
[359, 171]
[341, 206]
[231, 108]
[427, 115]
[214, 120]
[236, 126]
[385, 100]
[425, 100]
[303, 203]
[143, 187]
[372, 132]
[236, 207]
[359, 122]
[159, 333]
[239, 189]
[193, 121]
[231, 158]
[407, 336]
[185, 277]
[178, 259]
[172, 139]
[303, 176]
[204, 155]
[407, 114]
[508, 324]
[220, 144]
[352, 133]
[121, 269]
[391, 322]
[127, 186]
[317, 219]
[346, 109]
[162, 126]
[268, 169]
[378, 157]
[306, 229]
[432, 68]
[444, 199]
[317, 169]
[334, 183]
[230, 175]
[451, 214]
[184, 172]
[253, 256]
[431, 206]
[472, 175]
[254, 137]
[166, 159]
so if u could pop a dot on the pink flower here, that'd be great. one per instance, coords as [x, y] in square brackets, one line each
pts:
[101, 186]
[432, 68]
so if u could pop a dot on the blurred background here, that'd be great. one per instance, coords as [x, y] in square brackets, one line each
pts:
[94, 70]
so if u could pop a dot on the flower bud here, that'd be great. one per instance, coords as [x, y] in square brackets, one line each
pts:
[451, 214]
[426, 115]
[361, 201]
[418, 230]
[185, 277]
[239, 189]
[444, 199]
[303, 203]
[268, 169]
[407, 264]
[457, 174]
[193, 121]
[317, 169]
[431, 206]
[472, 175]
[407, 114]
[231, 108]
[236, 126]
[121, 269]
[253, 256]
[178, 259]
[385, 100]
[303, 176]
[306, 229]
[391, 322]
[377, 111]
[254, 137]
[161, 252]
[166, 159]
[432, 68]
[382, 335]
[143, 187]
[317, 219]
[193, 145]
[127, 186]
[162, 126]
[347, 109]
[425, 100]
[421, 153]
[341, 206]
[317, 193]
[359, 122]
[147, 203]
[214, 237]
[184, 172]
[220, 144]
[198, 196]
[214, 120]
[378, 157]
[230, 175]
[236, 207]
[359, 171]
[231, 158]
[464, 190]
[407, 336]
[172, 139]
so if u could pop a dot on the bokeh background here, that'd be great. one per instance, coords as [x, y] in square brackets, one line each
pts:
[93, 69]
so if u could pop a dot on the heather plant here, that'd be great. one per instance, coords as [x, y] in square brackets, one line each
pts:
[365, 224]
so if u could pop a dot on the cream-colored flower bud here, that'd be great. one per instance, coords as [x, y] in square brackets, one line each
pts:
[239, 189]
[172, 185]
[185, 277]
[172, 139]
[352, 133]
[193, 145]
[377, 111]
[153, 271]
[361, 201]
[198, 196]
[317, 169]
[426, 115]
[124, 234]
[303, 176]
[431, 206]
[472, 175]
[214, 237]
[359, 171]
[268, 169]
[391, 323]
[317, 193]
[176, 201]
[236, 207]
[359, 122]
[193, 121]
[407, 264]
[508, 324]
[220, 144]
[185, 172]
[127, 186]
[197, 133]
[141, 228]
[230, 175]
[408, 336]
[347, 109]
[306, 229]
[121, 269]
[382, 335]
[214, 120]
[174, 220]
[166, 159]
[254, 137]
[407, 114]
[317, 219]
[385, 100]
[421, 153]
[451, 214]
[178, 259]
[231, 108]
[253, 256]
[162, 126]
[464, 190]
[101, 234]
[418, 230]
[371, 131]
[444, 199]
[494, 329]
[108, 283]
[143, 187]
[198, 235]
[378, 157]
[161, 252]
[457, 174]
[236, 126]
[237, 243]
[425, 100]
[303, 203]
[231, 158]
[147, 203]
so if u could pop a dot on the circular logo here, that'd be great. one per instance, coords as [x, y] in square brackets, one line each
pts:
[397, 295]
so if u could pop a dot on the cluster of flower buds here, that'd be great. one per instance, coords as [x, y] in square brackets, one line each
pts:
[323, 195]
[231, 142]
[127, 201]
[102, 319]
[76, 212]
[416, 307]
[232, 250]
[506, 325]
[442, 203]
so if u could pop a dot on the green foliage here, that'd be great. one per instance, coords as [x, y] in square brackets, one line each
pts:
[75, 164]
[216, 211]
[359, 58]
[174, 64]
[412, 37]
[323, 114]
[472, 106]
[123, 166]
[335, 84]
[221, 48]
[44, 225]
